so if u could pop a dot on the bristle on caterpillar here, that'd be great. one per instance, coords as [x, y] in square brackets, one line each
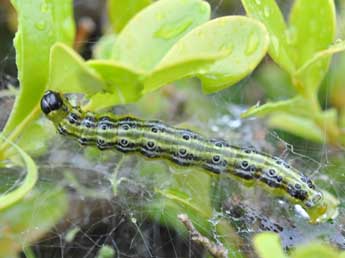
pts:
[157, 140]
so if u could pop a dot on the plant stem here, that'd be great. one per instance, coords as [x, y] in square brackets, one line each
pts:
[19, 129]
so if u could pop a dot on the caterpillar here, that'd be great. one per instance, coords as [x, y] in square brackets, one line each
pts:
[157, 140]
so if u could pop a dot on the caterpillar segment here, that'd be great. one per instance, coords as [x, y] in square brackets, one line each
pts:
[157, 140]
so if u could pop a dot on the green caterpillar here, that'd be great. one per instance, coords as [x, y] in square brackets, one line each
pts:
[156, 140]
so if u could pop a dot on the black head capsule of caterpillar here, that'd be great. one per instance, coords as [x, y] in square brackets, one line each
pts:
[51, 101]
[55, 106]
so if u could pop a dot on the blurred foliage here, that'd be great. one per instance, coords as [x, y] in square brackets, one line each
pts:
[188, 192]
[147, 46]
[9, 198]
[27, 221]
[106, 252]
[267, 245]
[302, 48]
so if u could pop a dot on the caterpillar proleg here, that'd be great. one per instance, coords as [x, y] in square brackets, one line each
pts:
[157, 140]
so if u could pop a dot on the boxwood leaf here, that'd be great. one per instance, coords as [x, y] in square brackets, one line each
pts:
[154, 30]
[69, 73]
[297, 105]
[300, 126]
[39, 27]
[268, 12]
[120, 12]
[267, 245]
[123, 84]
[312, 30]
[104, 47]
[230, 48]
[315, 250]
[323, 55]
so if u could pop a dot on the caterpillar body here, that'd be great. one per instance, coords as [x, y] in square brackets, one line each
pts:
[157, 140]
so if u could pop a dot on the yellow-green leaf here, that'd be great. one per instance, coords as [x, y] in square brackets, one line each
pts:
[267, 245]
[300, 126]
[297, 105]
[40, 25]
[312, 29]
[69, 73]
[154, 30]
[120, 12]
[268, 12]
[315, 250]
[123, 84]
[220, 52]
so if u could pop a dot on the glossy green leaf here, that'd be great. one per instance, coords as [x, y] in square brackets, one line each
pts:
[184, 68]
[268, 12]
[316, 250]
[120, 12]
[153, 31]
[231, 48]
[268, 245]
[40, 25]
[69, 73]
[123, 84]
[28, 220]
[300, 126]
[323, 55]
[312, 29]
[12, 197]
[297, 105]
[102, 100]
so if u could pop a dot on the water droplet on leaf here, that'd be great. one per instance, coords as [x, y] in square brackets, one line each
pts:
[252, 43]
[170, 30]
[227, 48]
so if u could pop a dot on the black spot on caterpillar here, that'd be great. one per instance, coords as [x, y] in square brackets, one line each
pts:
[157, 140]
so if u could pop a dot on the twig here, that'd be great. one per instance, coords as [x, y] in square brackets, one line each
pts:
[216, 250]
